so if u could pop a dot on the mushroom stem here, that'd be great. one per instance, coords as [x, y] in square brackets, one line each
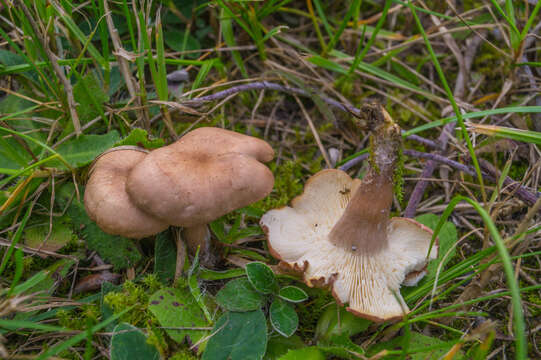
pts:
[181, 254]
[198, 236]
[363, 226]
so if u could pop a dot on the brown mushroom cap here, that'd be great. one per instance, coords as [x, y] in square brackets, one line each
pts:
[368, 279]
[108, 204]
[204, 175]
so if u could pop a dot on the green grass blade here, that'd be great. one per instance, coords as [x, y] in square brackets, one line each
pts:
[203, 72]
[526, 136]
[473, 115]
[368, 45]
[16, 238]
[330, 46]
[321, 13]
[21, 172]
[35, 141]
[510, 21]
[457, 111]
[161, 82]
[22, 324]
[518, 315]
[226, 24]
[77, 338]
[19, 267]
[30, 283]
[70, 24]
[530, 21]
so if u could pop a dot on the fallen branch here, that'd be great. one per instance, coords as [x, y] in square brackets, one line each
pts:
[521, 192]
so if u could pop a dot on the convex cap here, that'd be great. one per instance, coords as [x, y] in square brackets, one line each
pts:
[208, 173]
[106, 200]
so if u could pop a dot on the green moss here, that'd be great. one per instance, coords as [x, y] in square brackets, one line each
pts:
[136, 295]
[398, 176]
[78, 319]
[183, 354]
[310, 312]
[157, 338]
[287, 185]
[535, 310]
[495, 68]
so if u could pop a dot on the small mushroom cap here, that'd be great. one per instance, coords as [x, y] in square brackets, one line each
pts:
[206, 174]
[108, 204]
[369, 282]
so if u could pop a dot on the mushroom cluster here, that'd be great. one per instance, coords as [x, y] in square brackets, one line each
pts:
[338, 232]
[206, 174]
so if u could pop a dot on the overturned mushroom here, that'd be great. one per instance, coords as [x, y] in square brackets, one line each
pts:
[108, 204]
[339, 234]
[208, 173]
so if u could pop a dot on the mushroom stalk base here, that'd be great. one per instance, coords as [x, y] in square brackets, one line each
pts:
[181, 254]
[198, 237]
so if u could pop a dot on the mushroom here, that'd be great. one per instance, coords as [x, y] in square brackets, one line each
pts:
[206, 174]
[106, 201]
[338, 232]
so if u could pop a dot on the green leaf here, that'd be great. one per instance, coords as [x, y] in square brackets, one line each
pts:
[139, 137]
[283, 317]
[307, 353]
[116, 250]
[129, 343]
[176, 308]
[417, 346]
[40, 236]
[279, 345]
[179, 40]
[293, 294]
[238, 336]
[261, 277]
[239, 295]
[84, 149]
[165, 257]
[90, 97]
[7, 58]
[342, 347]
[338, 321]
[55, 274]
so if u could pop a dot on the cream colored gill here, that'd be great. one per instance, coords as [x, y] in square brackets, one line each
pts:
[293, 230]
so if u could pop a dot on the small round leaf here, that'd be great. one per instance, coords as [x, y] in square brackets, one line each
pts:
[283, 317]
[239, 295]
[293, 294]
[261, 277]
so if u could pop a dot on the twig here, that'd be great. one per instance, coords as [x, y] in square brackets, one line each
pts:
[465, 62]
[521, 191]
[420, 187]
[262, 85]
